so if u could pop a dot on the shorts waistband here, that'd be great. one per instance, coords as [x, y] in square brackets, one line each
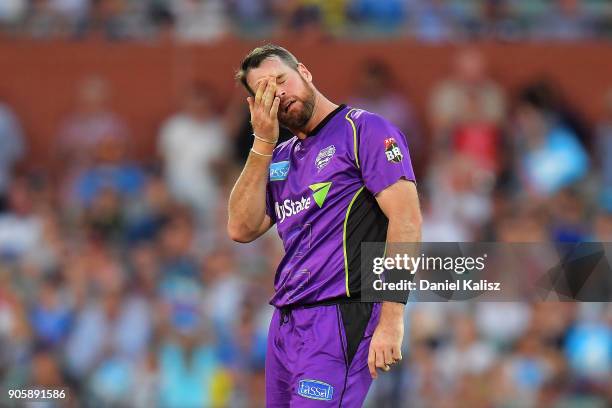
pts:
[326, 302]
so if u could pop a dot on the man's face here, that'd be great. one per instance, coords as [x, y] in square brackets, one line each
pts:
[294, 89]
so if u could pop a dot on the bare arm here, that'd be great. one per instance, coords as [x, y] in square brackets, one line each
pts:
[247, 204]
[400, 203]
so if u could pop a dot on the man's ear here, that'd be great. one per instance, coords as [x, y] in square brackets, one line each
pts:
[304, 72]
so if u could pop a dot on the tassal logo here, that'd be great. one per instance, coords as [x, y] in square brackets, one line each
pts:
[315, 389]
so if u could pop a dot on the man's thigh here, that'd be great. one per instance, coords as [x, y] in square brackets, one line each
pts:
[318, 357]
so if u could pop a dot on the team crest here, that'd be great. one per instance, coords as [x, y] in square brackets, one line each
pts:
[324, 157]
[392, 151]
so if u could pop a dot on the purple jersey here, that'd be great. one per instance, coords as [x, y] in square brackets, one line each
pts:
[320, 194]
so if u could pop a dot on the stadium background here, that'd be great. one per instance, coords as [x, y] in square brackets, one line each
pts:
[122, 131]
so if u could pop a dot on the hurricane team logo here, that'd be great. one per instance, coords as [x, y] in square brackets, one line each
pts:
[392, 151]
[324, 157]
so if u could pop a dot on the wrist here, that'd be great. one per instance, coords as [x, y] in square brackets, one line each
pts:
[262, 147]
[392, 312]
[264, 139]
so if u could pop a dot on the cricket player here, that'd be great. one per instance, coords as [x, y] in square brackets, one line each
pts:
[344, 178]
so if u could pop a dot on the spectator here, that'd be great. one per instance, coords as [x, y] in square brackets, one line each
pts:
[467, 355]
[115, 328]
[11, 149]
[385, 16]
[549, 154]
[51, 316]
[466, 111]
[604, 149]
[177, 248]
[57, 18]
[12, 12]
[603, 227]
[21, 228]
[569, 217]
[200, 20]
[192, 143]
[90, 129]
[433, 21]
[565, 21]
[379, 92]
[111, 174]
[547, 97]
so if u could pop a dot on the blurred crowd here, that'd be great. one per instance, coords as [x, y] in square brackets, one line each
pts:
[209, 20]
[117, 280]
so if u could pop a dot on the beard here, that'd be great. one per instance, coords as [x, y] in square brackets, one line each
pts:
[296, 119]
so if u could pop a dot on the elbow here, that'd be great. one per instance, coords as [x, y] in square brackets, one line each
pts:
[238, 233]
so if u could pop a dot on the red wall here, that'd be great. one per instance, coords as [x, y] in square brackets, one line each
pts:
[38, 78]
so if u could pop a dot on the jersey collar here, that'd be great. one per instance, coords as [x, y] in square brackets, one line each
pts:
[326, 119]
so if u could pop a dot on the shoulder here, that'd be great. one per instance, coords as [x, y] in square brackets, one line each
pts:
[365, 120]
[284, 147]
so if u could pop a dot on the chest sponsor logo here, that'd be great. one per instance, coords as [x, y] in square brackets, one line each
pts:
[279, 171]
[289, 208]
[392, 151]
[315, 389]
[324, 157]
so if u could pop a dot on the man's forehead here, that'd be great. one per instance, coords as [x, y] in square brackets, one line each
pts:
[270, 67]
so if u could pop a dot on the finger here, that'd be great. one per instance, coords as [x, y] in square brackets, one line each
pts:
[269, 94]
[275, 105]
[372, 363]
[250, 101]
[389, 357]
[396, 354]
[260, 90]
[380, 359]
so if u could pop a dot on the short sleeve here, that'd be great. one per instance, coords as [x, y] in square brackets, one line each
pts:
[383, 154]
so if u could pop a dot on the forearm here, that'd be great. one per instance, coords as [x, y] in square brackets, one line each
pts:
[247, 202]
[403, 236]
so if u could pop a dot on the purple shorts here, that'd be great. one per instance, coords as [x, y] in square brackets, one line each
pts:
[317, 356]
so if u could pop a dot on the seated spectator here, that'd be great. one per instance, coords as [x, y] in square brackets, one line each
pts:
[201, 21]
[433, 21]
[550, 156]
[382, 15]
[603, 227]
[566, 20]
[12, 12]
[111, 172]
[11, 149]
[113, 328]
[51, 315]
[569, 217]
[178, 248]
[21, 228]
[604, 156]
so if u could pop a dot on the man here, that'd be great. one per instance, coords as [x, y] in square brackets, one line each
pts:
[345, 178]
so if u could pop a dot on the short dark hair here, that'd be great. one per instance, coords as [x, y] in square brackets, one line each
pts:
[258, 55]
